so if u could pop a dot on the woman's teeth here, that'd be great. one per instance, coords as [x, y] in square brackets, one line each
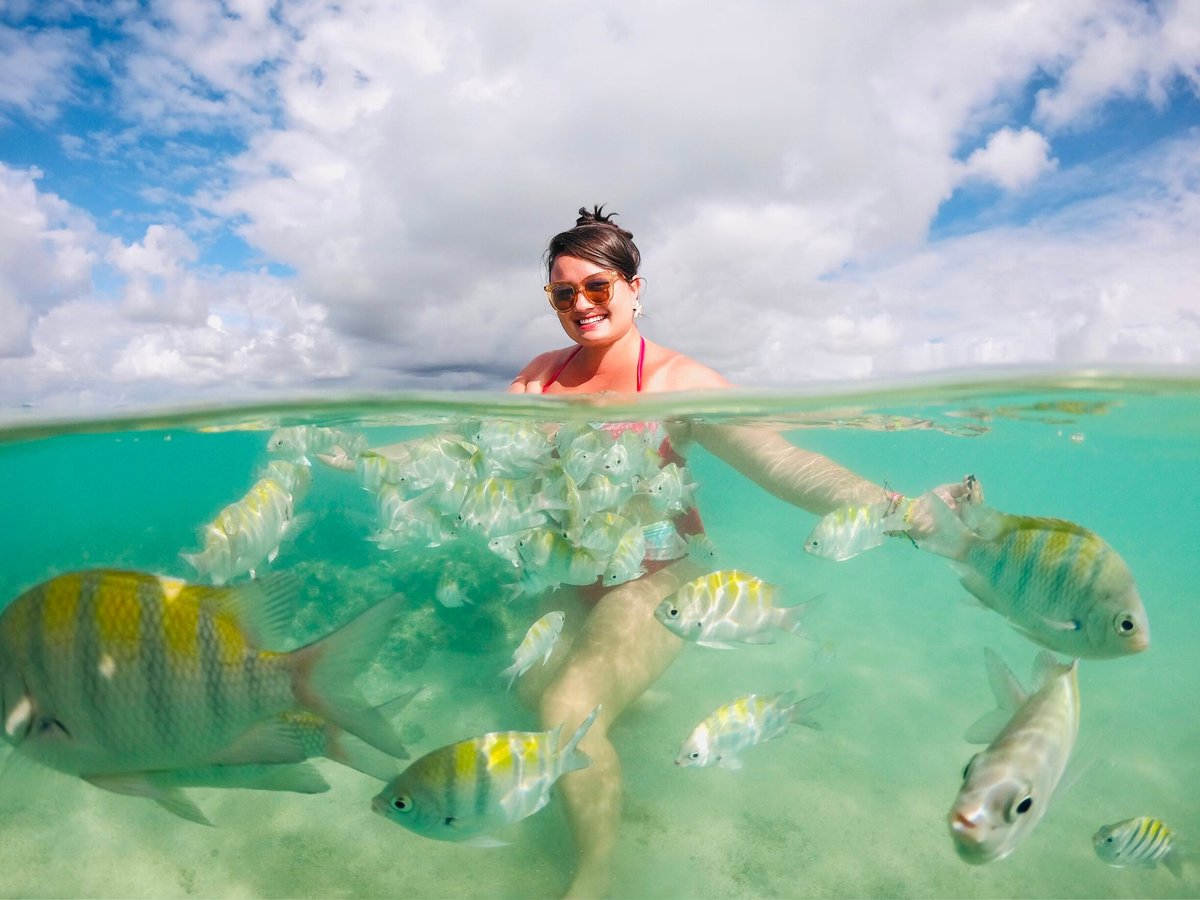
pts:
[590, 320]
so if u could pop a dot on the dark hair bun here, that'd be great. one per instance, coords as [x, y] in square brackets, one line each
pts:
[597, 216]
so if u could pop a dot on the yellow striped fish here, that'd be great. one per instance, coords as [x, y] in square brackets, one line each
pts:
[850, 530]
[724, 606]
[107, 673]
[729, 729]
[1055, 581]
[538, 643]
[464, 791]
[1143, 841]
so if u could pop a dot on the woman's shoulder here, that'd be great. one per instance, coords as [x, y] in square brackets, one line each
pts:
[671, 370]
[539, 369]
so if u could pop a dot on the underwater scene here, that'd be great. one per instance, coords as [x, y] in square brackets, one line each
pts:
[285, 650]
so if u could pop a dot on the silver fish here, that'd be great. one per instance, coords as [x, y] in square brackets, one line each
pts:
[463, 791]
[733, 727]
[1143, 841]
[1007, 787]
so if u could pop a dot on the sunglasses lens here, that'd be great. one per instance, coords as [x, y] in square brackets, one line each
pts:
[562, 295]
[598, 290]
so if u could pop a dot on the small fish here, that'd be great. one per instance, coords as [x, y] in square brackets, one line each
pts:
[1007, 787]
[449, 592]
[848, 531]
[724, 606]
[335, 447]
[1056, 582]
[1143, 842]
[107, 673]
[538, 642]
[625, 564]
[250, 531]
[701, 549]
[464, 791]
[729, 729]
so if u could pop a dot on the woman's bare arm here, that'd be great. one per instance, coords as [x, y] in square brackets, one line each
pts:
[801, 477]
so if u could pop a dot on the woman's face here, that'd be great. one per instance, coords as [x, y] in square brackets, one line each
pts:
[589, 323]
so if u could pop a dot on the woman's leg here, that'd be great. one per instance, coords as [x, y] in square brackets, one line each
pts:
[619, 652]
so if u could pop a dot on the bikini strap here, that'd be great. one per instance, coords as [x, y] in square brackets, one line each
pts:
[641, 359]
[566, 362]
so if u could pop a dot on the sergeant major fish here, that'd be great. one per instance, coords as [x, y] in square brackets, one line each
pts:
[727, 605]
[118, 677]
[464, 791]
[538, 643]
[850, 530]
[729, 729]
[1007, 787]
[1143, 841]
[1056, 582]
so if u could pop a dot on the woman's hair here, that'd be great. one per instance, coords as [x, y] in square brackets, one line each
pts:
[599, 240]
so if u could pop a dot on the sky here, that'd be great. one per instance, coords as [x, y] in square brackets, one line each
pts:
[228, 200]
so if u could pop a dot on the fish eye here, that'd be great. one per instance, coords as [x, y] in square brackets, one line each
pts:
[695, 754]
[402, 803]
[1019, 808]
[673, 612]
[1125, 623]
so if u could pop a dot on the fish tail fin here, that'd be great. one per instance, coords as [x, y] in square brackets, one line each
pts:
[948, 537]
[801, 709]
[324, 673]
[791, 618]
[512, 673]
[571, 757]
[1175, 858]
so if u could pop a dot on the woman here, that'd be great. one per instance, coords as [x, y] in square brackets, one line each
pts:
[620, 649]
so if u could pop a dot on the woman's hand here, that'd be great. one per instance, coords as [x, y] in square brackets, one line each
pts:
[919, 520]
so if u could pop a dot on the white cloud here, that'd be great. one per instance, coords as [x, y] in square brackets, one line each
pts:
[779, 164]
[1011, 159]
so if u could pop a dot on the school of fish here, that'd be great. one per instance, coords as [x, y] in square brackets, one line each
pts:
[148, 685]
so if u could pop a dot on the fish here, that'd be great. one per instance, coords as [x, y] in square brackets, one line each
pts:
[335, 448]
[731, 728]
[625, 563]
[727, 606]
[465, 791]
[850, 530]
[1056, 582]
[1143, 841]
[450, 592]
[107, 673]
[250, 531]
[701, 549]
[538, 642]
[1007, 787]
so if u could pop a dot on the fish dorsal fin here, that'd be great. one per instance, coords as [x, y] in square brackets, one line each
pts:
[1005, 687]
[1046, 668]
[263, 608]
[1009, 696]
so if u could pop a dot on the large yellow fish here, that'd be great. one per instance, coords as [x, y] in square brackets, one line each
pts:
[1055, 581]
[143, 684]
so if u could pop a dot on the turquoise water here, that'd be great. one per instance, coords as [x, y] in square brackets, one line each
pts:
[857, 809]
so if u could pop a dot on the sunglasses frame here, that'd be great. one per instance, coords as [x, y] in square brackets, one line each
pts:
[612, 277]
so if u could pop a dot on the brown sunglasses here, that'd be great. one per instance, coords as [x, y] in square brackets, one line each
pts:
[596, 288]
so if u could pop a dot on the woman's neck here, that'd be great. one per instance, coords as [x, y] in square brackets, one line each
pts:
[611, 367]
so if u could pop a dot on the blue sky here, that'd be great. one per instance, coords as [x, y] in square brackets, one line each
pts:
[203, 200]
